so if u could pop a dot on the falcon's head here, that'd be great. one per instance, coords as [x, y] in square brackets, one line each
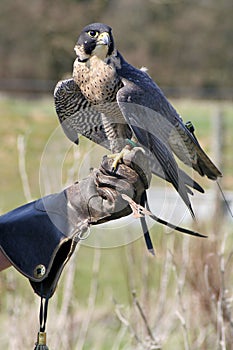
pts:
[95, 39]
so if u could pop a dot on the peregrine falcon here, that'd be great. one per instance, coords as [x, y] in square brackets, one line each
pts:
[112, 103]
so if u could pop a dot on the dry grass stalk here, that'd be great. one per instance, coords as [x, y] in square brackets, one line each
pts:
[22, 167]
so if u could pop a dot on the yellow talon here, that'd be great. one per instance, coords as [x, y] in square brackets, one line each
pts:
[118, 157]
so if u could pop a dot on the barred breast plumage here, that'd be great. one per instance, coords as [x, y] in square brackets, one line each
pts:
[99, 84]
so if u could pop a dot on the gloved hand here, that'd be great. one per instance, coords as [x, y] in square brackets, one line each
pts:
[39, 237]
[98, 197]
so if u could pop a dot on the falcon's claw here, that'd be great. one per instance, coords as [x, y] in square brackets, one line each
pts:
[117, 158]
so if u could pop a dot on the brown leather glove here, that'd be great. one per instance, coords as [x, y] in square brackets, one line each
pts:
[98, 197]
[39, 237]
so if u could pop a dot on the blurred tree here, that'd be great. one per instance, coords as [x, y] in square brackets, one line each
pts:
[184, 43]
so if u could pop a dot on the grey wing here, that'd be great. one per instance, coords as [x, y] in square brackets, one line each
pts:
[160, 155]
[161, 119]
[152, 130]
[76, 115]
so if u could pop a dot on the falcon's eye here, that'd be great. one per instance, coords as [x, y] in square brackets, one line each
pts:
[93, 33]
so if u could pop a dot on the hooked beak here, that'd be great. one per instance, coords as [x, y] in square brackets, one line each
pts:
[103, 39]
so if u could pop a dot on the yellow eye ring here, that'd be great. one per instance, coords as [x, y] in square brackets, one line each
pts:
[93, 33]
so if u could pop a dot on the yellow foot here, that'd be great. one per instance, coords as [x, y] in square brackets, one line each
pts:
[118, 157]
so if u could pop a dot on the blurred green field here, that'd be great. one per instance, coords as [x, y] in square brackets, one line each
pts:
[186, 297]
[36, 121]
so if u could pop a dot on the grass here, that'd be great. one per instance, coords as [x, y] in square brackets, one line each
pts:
[181, 290]
[35, 120]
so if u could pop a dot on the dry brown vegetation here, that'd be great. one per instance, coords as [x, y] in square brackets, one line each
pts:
[120, 298]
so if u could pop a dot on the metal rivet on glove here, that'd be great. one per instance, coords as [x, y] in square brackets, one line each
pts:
[39, 271]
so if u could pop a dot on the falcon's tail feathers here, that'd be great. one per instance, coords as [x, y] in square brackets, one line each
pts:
[190, 182]
[170, 168]
[204, 165]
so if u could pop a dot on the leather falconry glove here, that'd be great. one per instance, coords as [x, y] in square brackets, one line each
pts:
[39, 238]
